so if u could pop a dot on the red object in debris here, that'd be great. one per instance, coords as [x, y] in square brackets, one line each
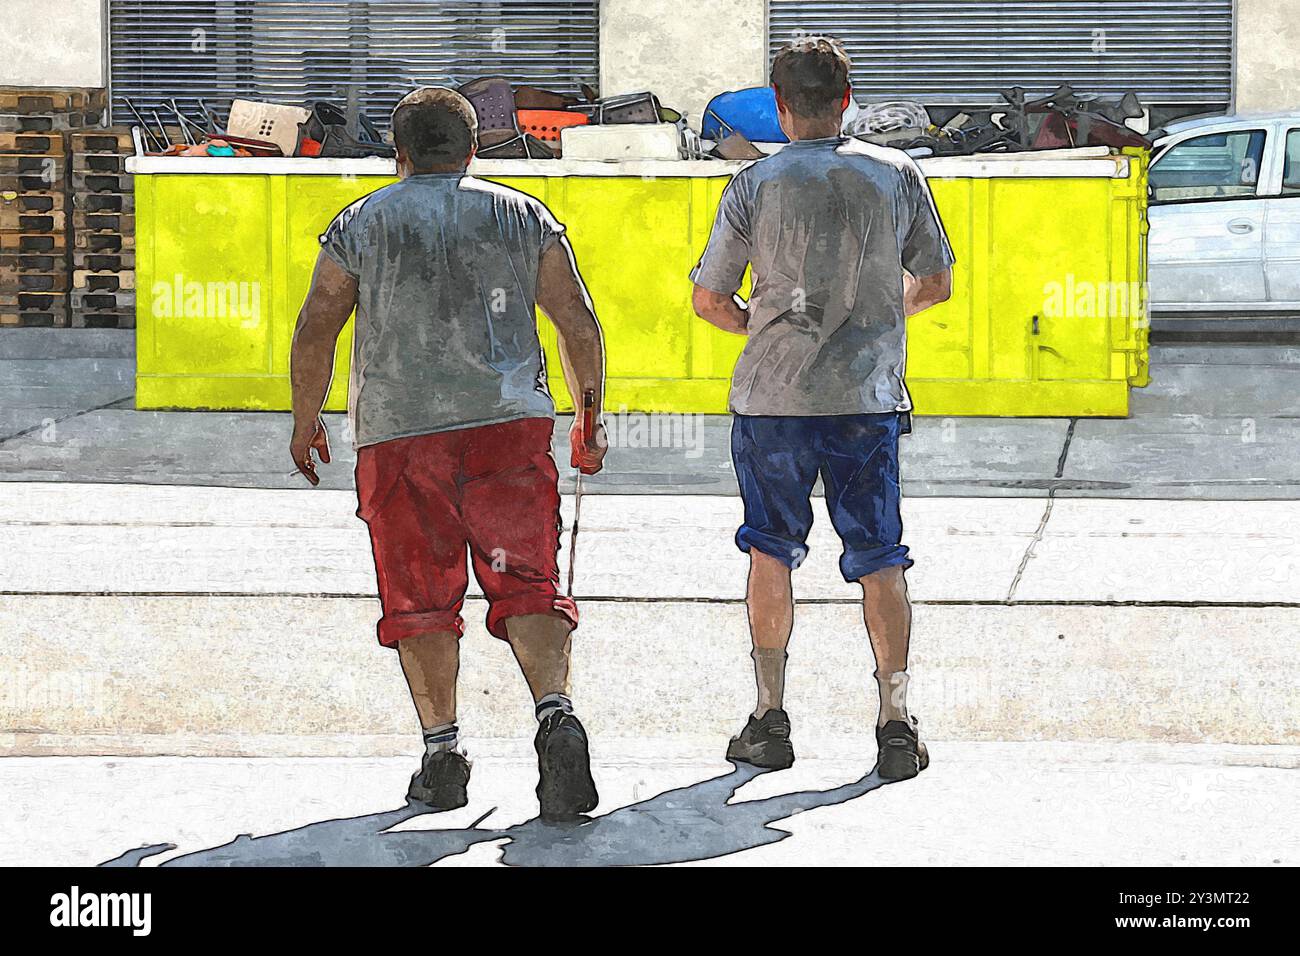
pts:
[309, 147]
[546, 124]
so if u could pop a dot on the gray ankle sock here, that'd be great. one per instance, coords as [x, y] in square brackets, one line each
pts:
[893, 697]
[444, 737]
[769, 675]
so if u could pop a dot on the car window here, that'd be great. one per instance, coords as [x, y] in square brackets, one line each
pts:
[1214, 166]
[1291, 164]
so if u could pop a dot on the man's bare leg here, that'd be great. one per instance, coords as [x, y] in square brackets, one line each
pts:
[765, 739]
[769, 601]
[431, 663]
[565, 788]
[542, 643]
[887, 613]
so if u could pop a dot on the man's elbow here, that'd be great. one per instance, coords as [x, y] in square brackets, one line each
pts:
[705, 302]
[941, 287]
[301, 328]
[320, 324]
[934, 289]
[574, 319]
[311, 324]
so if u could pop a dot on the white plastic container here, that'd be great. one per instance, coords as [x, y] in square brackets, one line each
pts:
[621, 141]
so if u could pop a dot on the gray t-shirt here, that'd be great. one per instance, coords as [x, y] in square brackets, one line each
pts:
[446, 328]
[828, 226]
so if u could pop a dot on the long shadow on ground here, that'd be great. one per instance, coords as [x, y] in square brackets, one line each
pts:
[697, 822]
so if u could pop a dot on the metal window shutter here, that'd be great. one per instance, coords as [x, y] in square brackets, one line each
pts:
[1173, 53]
[289, 51]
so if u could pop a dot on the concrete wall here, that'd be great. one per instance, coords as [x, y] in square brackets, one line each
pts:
[1268, 55]
[52, 43]
[684, 52]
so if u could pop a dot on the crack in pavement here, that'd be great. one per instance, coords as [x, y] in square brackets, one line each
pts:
[1047, 513]
[66, 418]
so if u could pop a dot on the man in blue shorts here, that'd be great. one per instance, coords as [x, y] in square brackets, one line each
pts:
[844, 243]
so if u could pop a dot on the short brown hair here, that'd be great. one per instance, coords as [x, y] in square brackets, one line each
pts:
[435, 126]
[812, 74]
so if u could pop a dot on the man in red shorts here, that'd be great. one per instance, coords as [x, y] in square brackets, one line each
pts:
[452, 422]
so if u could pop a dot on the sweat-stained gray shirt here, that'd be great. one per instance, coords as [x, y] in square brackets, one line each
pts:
[446, 327]
[828, 226]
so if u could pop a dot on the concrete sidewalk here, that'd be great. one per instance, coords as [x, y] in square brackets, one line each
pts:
[980, 804]
[150, 540]
[150, 619]
[1103, 662]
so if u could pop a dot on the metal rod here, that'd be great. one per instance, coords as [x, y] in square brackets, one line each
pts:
[148, 134]
[162, 129]
[182, 123]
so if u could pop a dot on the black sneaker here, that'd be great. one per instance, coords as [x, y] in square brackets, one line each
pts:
[902, 755]
[565, 789]
[441, 781]
[765, 742]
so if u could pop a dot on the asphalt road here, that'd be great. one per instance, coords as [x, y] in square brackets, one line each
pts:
[1217, 421]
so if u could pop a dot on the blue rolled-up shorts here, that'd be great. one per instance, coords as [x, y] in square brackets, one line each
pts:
[777, 460]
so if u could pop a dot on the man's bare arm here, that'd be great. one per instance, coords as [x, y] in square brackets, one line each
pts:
[563, 298]
[724, 311]
[919, 293]
[329, 303]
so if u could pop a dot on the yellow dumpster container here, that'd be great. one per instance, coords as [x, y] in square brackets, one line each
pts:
[1048, 314]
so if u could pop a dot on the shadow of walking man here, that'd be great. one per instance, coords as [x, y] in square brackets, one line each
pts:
[697, 822]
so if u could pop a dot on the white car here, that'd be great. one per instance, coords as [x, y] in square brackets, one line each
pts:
[1225, 216]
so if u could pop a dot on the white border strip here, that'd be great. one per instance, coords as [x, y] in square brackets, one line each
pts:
[954, 167]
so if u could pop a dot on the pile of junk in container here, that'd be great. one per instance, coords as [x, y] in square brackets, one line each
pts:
[1061, 119]
[514, 122]
[525, 122]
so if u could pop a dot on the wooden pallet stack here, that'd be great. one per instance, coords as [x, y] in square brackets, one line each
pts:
[33, 230]
[67, 212]
[34, 274]
[103, 229]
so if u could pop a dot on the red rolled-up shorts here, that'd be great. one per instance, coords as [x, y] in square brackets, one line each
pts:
[492, 490]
